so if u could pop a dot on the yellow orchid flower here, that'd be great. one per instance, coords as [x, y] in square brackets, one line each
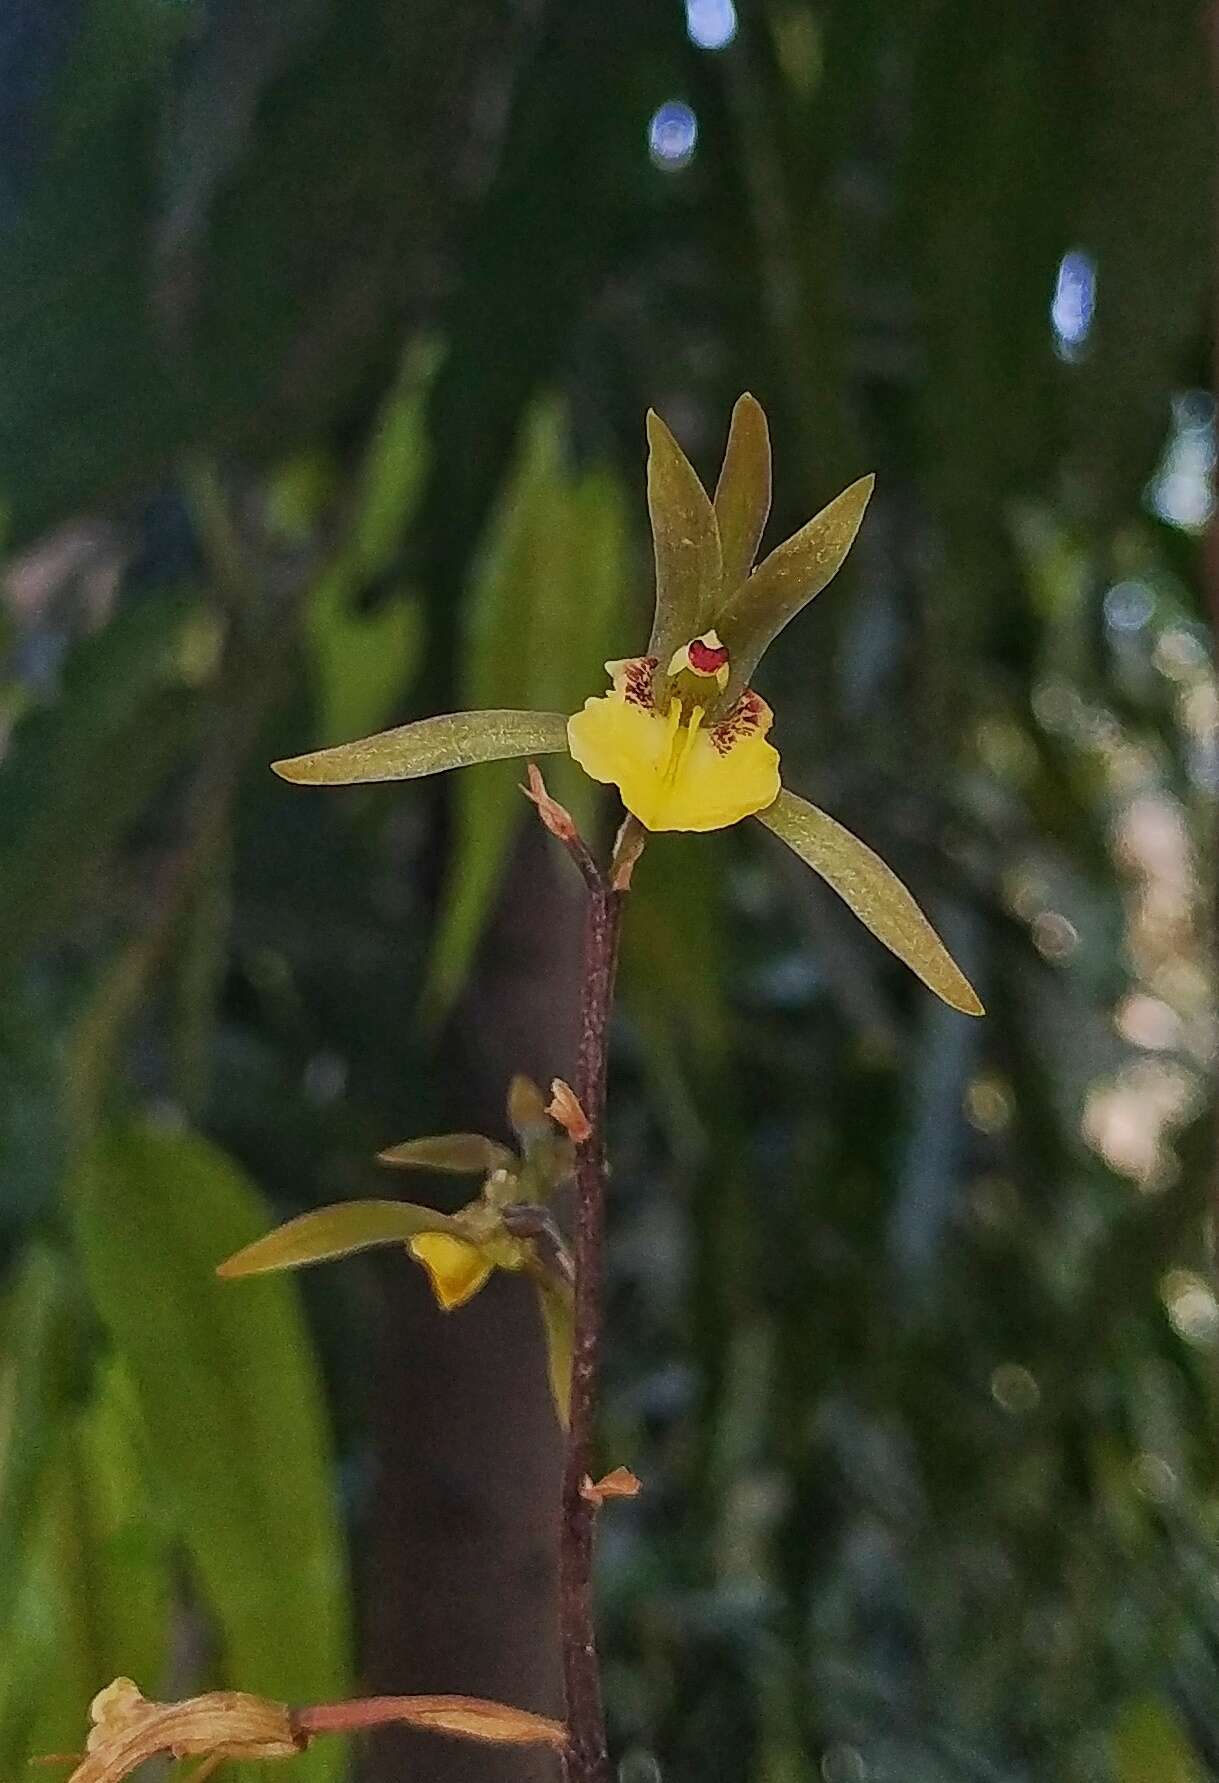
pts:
[674, 769]
[456, 1268]
[505, 1227]
[680, 733]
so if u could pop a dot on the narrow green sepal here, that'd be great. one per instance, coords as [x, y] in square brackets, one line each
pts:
[463, 1154]
[742, 495]
[453, 740]
[527, 1108]
[557, 1306]
[874, 893]
[686, 541]
[330, 1232]
[783, 584]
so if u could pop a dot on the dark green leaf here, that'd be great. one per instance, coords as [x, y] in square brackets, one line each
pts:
[556, 546]
[1151, 1745]
[40, 1365]
[78, 771]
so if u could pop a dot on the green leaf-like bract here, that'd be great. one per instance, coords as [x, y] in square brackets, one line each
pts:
[465, 1154]
[686, 540]
[430, 746]
[330, 1232]
[558, 1323]
[785, 582]
[742, 495]
[874, 893]
[555, 549]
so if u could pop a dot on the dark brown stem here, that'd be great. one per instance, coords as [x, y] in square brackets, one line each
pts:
[586, 1755]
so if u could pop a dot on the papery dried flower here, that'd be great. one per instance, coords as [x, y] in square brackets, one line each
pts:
[223, 1724]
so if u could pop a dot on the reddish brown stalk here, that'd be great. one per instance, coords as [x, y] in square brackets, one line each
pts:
[586, 1755]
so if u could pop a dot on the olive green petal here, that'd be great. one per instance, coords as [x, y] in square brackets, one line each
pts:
[874, 893]
[742, 495]
[330, 1232]
[455, 740]
[686, 540]
[462, 1154]
[785, 582]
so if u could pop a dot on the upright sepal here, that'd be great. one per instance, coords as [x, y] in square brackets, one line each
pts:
[430, 746]
[874, 893]
[461, 1154]
[742, 495]
[331, 1232]
[686, 540]
[783, 583]
[527, 1114]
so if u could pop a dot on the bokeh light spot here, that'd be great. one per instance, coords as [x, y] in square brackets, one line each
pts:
[1192, 1308]
[988, 1104]
[672, 134]
[843, 1764]
[1054, 935]
[1015, 1389]
[1073, 304]
[1153, 1478]
[1128, 606]
[1180, 492]
[711, 24]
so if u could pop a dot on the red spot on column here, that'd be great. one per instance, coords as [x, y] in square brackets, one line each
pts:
[706, 659]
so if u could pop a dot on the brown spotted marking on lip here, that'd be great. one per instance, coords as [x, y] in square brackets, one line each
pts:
[637, 681]
[750, 713]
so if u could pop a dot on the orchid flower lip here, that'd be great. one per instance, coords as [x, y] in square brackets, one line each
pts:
[676, 764]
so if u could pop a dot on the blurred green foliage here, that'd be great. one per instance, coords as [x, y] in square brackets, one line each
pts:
[328, 334]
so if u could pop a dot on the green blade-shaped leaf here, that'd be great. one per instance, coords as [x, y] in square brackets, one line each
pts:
[465, 1154]
[742, 495]
[50, 1660]
[79, 770]
[1151, 1744]
[232, 1404]
[330, 1232]
[686, 540]
[40, 1359]
[558, 1322]
[874, 893]
[556, 546]
[362, 659]
[97, 1572]
[454, 740]
[785, 582]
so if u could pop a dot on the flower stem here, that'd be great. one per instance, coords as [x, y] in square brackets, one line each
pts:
[586, 1755]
